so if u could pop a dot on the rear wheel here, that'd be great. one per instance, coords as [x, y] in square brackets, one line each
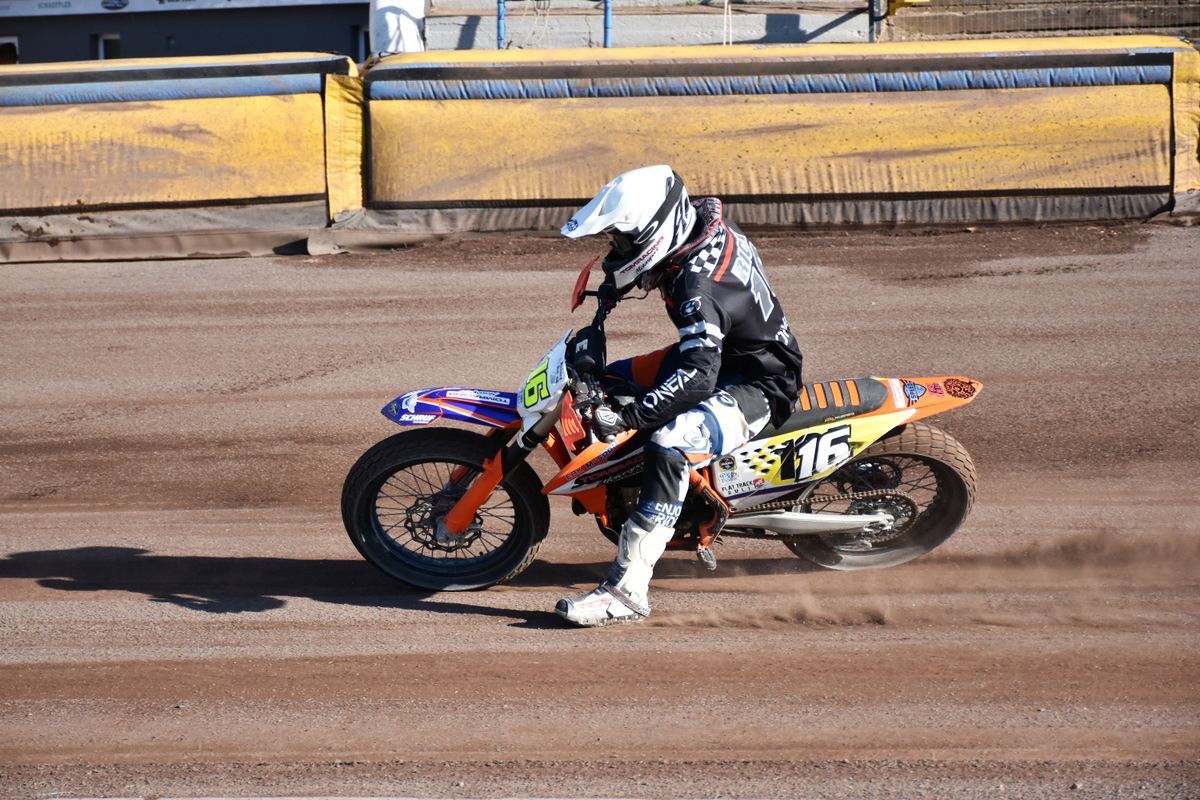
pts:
[934, 482]
[398, 490]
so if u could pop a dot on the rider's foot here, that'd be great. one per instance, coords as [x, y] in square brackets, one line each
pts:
[604, 605]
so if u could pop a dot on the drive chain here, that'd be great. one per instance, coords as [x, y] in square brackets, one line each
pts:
[787, 505]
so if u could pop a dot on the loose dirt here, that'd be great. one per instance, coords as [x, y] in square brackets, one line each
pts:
[181, 613]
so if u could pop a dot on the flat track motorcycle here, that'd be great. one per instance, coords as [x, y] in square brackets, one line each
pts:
[851, 480]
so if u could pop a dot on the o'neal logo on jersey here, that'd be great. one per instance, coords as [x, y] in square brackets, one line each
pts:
[668, 388]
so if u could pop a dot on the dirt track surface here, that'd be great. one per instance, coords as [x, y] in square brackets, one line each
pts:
[182, 614]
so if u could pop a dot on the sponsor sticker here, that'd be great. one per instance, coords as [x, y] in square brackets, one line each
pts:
[571, 225]
[963, 390]
[913, 391]
[597, 460]
[611, 472]
[418, 419]
[496, 398]
[935, 388]
[690, 307]
[742, 486]
[727, 463]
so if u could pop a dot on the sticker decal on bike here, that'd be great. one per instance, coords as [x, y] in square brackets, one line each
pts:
[537, 387]
[480, 396]
[963, 390]
[912, 391]
[730, 489]
[595, 460]
[800, 458]
[613, 472]
[935, 389]
[481, 406]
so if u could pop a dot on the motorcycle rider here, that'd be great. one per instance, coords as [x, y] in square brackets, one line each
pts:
[735, 368]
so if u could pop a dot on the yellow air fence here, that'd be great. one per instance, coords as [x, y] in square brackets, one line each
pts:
[256, 154]
[888, 133]
[175, 157]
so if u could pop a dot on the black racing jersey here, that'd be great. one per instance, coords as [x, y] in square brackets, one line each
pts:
[732, 329]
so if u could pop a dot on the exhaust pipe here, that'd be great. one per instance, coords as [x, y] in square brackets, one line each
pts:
[794, 523]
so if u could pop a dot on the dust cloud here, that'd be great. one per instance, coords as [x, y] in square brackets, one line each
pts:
[1093, 580]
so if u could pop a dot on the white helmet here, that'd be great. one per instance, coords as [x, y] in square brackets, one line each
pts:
[646, 213]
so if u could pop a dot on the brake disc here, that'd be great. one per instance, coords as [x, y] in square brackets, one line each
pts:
[423, 518]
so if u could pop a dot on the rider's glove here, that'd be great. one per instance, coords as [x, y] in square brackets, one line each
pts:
[607, 423]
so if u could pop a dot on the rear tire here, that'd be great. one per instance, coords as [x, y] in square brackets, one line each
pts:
[919, 459]
[397, 490]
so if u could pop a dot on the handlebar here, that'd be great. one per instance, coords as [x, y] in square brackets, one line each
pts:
[588, 355]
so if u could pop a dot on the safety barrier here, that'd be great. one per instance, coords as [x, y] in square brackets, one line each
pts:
[173, 157]
[178, 157]
[914, 132]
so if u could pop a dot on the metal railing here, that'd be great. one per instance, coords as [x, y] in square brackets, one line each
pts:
[500, 26]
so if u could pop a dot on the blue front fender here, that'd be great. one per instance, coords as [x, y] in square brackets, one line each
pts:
[423, 406]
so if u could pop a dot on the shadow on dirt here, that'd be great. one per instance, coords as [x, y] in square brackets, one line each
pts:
[239, 585]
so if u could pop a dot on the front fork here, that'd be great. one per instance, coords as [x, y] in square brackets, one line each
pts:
[511, 451]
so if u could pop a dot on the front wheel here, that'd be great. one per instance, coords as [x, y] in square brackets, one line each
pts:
[398, 490]
[934, 480]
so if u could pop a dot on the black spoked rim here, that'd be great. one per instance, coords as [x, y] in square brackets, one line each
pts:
[409, 501]
[927, 483]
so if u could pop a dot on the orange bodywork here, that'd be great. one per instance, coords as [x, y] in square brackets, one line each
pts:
[927, 396]
[908, 399]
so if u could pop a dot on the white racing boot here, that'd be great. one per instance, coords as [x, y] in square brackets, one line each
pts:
[621, 597]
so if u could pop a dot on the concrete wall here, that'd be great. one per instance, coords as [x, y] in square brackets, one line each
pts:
[472, 24]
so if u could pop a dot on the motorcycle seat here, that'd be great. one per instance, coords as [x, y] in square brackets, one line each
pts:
[827, 401]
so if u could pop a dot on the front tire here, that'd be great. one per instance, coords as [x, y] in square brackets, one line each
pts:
[920, 460]
[395, 493]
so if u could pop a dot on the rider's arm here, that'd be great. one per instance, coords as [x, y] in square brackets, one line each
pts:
[702, 326]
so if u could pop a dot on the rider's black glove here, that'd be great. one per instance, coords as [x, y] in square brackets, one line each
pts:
[587, 352]
[607, 423]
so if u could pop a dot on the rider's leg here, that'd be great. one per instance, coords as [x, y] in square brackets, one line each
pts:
[719, 425]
